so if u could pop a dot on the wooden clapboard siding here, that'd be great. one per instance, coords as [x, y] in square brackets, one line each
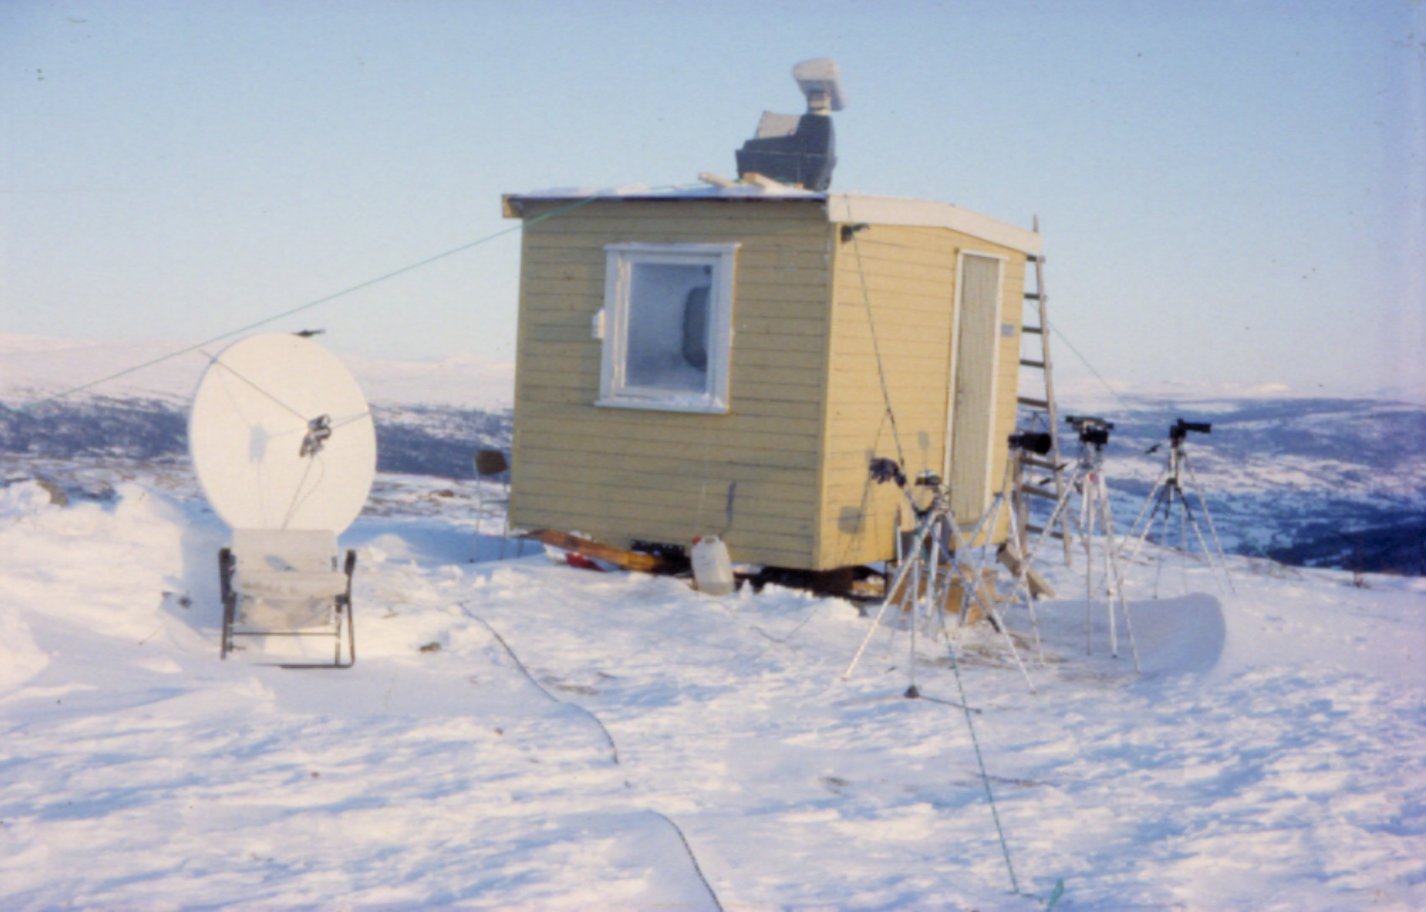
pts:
[906, 278]
[808, 411]
[621, 475]
[891, 320]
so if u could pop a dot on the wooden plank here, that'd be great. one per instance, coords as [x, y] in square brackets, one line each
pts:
[752, 545]
[628, 560]
[770, 450]
[764, 379]
[892, 308]
[751, 320]
[676, 216]
[681, 486]
[781, 295]
[633, 423]
[793, 522]
[588, 260]
[775, 405]
[766, 218]
[749, 358]
[812, 343]
[934, 271]
[576, 330]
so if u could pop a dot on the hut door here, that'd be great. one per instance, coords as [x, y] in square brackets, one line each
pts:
[972, 421]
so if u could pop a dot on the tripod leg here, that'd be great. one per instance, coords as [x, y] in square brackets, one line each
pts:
[1101, 505]
[896, 592]
[1086, 525]
[1217, 545]
[1167, 496]
[970, 585]
[1022, 587]
[1146, 516]
[1117, 577]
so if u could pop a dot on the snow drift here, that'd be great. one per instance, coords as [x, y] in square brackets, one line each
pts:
[518, 734]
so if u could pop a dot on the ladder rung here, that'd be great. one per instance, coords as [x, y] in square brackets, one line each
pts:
[1035, 491]
[1031, 329]
[1033, 403]
[1033, 258]
[1037, 462]
[1032, 296]
[1028, 362]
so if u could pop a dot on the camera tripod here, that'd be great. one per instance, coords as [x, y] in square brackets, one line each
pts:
[1014, 552]
[1095, 514]
[1168, 493]
[931, 566]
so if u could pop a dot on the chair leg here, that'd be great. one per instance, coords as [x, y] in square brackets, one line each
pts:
[225, 586]
[349, 568]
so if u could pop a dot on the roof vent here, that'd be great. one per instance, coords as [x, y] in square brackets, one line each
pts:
[796, 149]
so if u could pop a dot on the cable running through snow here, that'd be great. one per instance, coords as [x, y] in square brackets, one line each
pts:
[697, 868]
[980, 763]
[613, 748]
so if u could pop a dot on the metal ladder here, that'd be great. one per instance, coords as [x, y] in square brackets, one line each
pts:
[1034, 474]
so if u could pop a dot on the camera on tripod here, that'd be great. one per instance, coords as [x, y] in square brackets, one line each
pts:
[1180, 429]
[1091, 429]
[883, 470]
[927, 478]
[1037, 442]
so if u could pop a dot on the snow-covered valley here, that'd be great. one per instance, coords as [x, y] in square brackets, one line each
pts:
[521, 734]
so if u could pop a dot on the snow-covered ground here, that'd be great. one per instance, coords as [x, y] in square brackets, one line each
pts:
[517, 734]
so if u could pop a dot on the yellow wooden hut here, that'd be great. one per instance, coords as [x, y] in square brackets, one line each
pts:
[728, 360]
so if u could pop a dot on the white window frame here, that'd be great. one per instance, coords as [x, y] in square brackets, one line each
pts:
[620, 260]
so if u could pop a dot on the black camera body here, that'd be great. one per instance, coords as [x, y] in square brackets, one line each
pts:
[1092, 429]
[1037, 442]
[883, 470]
[1180, 429]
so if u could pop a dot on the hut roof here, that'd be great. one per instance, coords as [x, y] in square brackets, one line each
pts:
[841, 208]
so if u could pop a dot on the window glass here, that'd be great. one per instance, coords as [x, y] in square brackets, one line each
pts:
[668, 326]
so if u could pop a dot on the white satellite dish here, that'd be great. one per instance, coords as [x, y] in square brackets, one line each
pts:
[281, 436]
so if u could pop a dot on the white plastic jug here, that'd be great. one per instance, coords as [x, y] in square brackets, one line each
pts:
[712, 570]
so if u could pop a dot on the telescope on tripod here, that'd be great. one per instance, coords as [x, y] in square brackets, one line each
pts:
[1168, 505]
[1095, 516]
[934, 570]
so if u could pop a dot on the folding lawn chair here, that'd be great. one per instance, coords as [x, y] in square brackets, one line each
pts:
[286, 583]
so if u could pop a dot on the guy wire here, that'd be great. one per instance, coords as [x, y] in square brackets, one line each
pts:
[1085, 361]
[213, 359]
[553, 213]
[876, 346]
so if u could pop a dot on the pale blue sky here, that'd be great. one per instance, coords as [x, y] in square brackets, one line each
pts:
[1230, 192]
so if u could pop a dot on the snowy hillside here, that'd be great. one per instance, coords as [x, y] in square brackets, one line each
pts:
[517, 734]
[1324, 482]
[520, 734]
[430, 416]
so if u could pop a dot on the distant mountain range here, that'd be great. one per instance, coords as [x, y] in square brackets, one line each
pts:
[1311, 481]
[411, 439]
[1317, 482]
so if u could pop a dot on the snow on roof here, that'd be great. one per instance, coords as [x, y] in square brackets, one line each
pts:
[841, 208]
